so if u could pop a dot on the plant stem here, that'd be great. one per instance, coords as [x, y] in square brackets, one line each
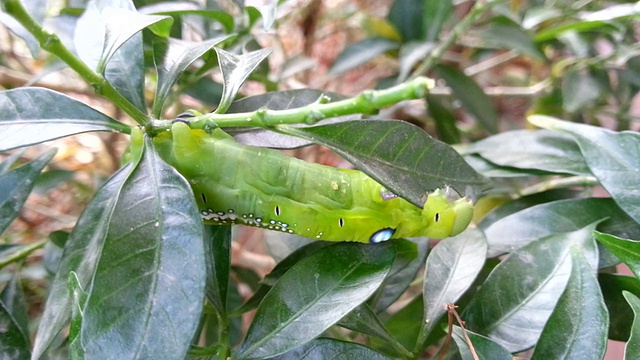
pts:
[51, 43]
[223, 335]
[368, 102]
[460, 28]
[22, 253]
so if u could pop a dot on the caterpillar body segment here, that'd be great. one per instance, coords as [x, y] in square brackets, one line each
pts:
[240, 184]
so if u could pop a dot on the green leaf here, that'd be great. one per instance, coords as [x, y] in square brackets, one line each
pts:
[484, 347]
[410, 256]
[613, 158]
[523, 227]
[235, 70]
[331, 349]
[620, 313]
[146, 294]
[14, 343]
[445, 120]
[436, 14]
[8, 161]
[14, 302]
[577, 328]
[451, 268]
[280, 269]
[632, 349]
[408, 16]
[171, 58]
[524, 202]
[471, 95]
[80, 253]
[30, 116]
[503, 33]
[363, 320]
[16, 185]
[397, 154]
[125, 71]
[579, 90]
[542, 150]
[184, 9]
[360, 53]
[409, 55]
[106, 25]
[522, 291]
[217, 247]
[405, 324]
[325, 291]
[628, 251]
[79, 297]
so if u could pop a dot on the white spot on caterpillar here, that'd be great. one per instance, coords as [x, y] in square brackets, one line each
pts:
[272, 222]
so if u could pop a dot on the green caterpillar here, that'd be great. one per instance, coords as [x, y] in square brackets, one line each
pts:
[240, 184]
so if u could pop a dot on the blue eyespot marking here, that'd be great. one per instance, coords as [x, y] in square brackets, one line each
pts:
[381, 235]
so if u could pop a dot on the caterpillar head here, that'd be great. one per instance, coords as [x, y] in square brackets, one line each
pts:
[446, 217]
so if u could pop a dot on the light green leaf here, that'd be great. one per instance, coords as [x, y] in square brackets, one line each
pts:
[577, 328]
[613, 157]
[522, 291]
[146, 294]
[632, 349]
[235, 70]
[172, 57]
[79, 298]
[451, 268]
[80, 253]
[543, 150]
[30, 116]
[628, 251]
[105, 26]
[562, 216]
